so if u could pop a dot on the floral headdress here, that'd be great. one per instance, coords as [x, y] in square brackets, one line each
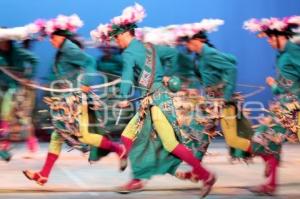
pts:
[169, 35]
[20, 33]
[69, 24]
[125, 22]
[276, 26]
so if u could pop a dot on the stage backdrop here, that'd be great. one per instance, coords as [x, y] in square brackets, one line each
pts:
[256, 60]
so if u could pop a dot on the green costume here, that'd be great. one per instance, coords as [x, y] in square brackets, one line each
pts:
[142, 66]
[111, 63]
[288, 68]
[186, 71]
[23, 61]
[196, 139]
[217, 72]
[70, 63]
[268, 140]
[73, 61]
[287, 90]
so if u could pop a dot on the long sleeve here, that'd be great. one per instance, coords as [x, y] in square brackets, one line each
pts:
[169, 57]
[26, 60]
[288, 80]
[127, 74]
[227, 66]
[75, 56]
[78, 57]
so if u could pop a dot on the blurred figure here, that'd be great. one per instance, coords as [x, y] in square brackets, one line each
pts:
[283, 122]
[152, 137]
[110, 61]
[73, 112]
[17, 100]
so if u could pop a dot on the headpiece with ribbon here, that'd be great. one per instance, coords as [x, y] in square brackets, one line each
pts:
[20, 33]
[63, 25]
[170, 35]
[125, 22]
[286, 26]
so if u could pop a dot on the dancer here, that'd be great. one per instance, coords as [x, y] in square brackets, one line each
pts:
[17, 100]
[152, 136]
[282, 123]
[70, 60]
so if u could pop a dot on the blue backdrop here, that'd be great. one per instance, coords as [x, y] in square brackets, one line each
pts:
[256, 59]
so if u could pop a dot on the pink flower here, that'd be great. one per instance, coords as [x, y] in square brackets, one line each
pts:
[75, 22]
[101, 33]
[253, 25]
[131, 14]
[40, 23]
[50, 27]
[277, 24]
[61, 22]
[117, 20]
[294, 20]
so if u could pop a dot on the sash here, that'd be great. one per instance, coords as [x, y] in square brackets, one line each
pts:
[146, 78]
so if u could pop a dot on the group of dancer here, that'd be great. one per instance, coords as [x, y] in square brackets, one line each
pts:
[171, 125]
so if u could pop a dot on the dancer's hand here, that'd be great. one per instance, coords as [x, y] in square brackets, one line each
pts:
[123, 104]
[270, 81]
[166, 80]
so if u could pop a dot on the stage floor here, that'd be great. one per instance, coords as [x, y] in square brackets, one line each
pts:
[74, 177]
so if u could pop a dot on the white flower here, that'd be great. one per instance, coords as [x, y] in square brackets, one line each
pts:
[61, 22]
[139, 13]
[294, 20]
[210, 25]
[139, 7]
[94, 35]
[17, 33]
[265, 23]
[49, 27]
[117, 20]
[277, 24]
[252, 25]
[139, 33]
[104, 29]
[131, 14]
[32, 28]
[75, 21]
[101, 33]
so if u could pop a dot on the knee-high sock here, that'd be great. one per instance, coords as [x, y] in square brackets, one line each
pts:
[273, 164]
[109, 145]
[32, 144]
[50, 160]
[4, 145]
[187, 156]
[127, 143]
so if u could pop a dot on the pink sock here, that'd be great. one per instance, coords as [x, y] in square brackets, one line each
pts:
[4, 145]
[50, 160]
[4, 126]
[187, 156]
[32, 144]
[111, 146]
[273, 163]
[265, 157]
[127, 143]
